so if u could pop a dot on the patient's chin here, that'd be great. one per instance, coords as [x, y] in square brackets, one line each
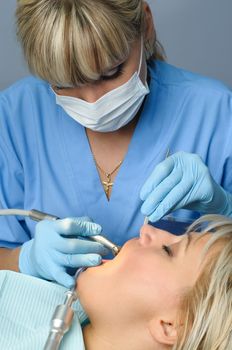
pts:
[92, 285]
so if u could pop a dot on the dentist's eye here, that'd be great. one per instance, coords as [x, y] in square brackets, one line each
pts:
[115, 73]
[167, 250]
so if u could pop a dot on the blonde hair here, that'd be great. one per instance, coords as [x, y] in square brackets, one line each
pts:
[206, 309]
[72, 42]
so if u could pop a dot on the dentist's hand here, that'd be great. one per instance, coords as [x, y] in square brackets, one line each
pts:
[49, 253]
[183, 181]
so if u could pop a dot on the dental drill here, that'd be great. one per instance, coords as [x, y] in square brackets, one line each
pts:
[63, 315]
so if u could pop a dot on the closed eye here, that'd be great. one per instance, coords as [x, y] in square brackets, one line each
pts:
[115, 73]
[167, 250]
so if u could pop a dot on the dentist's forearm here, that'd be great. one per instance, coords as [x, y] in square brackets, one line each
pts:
[9, 259]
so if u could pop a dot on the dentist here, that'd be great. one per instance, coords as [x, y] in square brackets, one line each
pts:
[85, 137]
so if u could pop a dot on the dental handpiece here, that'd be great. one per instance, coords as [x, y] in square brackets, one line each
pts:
[107, 243]
[37, 215]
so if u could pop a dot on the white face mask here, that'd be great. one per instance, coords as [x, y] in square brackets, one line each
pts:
[113, 110]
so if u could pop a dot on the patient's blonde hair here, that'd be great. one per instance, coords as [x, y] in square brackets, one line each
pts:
[72, 42]
[206, 310]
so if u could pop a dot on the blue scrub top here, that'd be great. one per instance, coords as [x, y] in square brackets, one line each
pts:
[46, 161]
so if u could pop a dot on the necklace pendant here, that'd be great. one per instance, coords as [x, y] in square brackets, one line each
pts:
[107, 185]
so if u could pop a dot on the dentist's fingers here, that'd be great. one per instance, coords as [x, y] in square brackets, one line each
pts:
[82, 260]
[160, 192]
[173, 201]
[162, 170]
[82, 246]
[61, 276]
[77, 226]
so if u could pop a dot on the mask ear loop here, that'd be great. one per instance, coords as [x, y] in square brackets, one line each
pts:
[140, 63]
[141, 56]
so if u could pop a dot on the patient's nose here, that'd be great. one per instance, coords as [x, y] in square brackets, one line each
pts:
[150, 235]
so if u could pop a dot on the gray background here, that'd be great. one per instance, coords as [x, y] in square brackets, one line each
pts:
[196, 35]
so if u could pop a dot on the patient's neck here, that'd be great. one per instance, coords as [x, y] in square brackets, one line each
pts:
[114, 337]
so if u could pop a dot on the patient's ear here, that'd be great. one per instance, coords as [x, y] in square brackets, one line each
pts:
[163, 331]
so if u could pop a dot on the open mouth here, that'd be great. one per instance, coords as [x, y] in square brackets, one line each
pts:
[104, 261]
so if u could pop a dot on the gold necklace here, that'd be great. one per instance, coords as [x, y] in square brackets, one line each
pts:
[108, 184]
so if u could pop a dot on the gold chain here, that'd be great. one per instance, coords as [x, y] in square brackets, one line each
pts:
[108, 183]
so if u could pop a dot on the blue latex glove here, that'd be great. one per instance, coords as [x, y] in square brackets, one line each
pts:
[183, 181]
[49, 253]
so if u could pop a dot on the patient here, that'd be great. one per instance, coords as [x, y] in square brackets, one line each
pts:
[161, 292]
